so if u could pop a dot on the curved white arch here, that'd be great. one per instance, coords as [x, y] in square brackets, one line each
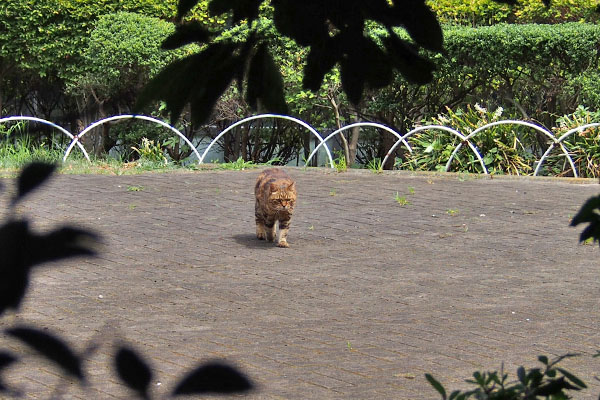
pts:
[559, 141]
[538, 128]
[128, 116]
[260, 116]
[356, 124]
[52, 124]
[456, 133]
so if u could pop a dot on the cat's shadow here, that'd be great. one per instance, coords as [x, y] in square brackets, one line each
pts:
[251, 241]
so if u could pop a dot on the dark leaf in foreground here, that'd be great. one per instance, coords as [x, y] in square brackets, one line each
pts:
[422, 25]
[213, 378]
[136, 374]
[50, 347]
[265, 83]
[413, 67]
[555, 387]
[199, 79]
[184, 6]
[31, 177]
[242, 9]
[305, 22]
[589, 213]
[572, 378]
[5, 360]
[192, 32]
[321, 59]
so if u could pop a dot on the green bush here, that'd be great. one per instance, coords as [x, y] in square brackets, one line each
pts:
[583, 146]
[522, 68]
[505, 149]
[486, 12]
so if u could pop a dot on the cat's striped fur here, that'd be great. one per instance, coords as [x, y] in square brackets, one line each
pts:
[276, 196]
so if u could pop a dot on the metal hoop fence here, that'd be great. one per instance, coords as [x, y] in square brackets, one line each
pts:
[322, 141]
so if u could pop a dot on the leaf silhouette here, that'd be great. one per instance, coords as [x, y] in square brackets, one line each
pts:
[5, 360]
[50, 347]
[242, 9]
[213, 377]
[198, 79]
[193, 32]
[589, 213]
[265, 82]
[321, 59]
[436, 385]
[15, 242]
[62, 243]
[134, 372]
[184, 6]
[31, 177]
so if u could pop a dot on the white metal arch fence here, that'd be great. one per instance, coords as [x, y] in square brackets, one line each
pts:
[554, 142]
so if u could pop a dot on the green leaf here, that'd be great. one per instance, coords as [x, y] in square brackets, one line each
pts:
[436, 385]
[521, 375]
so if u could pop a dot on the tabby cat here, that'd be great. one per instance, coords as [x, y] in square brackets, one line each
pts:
[275, 195]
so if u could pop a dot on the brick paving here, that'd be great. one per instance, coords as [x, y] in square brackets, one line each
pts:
[473, 272]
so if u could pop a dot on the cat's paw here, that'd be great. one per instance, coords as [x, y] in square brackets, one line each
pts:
[261, 236]
[283, 244]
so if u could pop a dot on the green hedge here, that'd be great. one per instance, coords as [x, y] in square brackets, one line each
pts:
[487, 12]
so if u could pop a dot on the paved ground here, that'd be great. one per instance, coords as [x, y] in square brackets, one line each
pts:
[472, 272]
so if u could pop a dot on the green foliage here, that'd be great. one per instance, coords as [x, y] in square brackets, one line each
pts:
[339, 162]
[238, 165]
[18, 147]
[333, 34]
[123, 52]
[374, 165]
[505, 149]
[583, 145]
[150, 152]
[549, 382]
[401, 200]
[485, 12]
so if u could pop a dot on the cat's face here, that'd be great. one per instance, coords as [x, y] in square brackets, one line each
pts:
[283, 198]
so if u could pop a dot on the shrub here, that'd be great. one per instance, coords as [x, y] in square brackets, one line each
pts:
[485, 12]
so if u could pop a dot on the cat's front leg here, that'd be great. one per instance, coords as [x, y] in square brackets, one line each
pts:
[261, 232]
[284, 227]
[270, 230]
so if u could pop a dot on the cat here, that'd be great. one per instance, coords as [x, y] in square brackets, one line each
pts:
[275, 194]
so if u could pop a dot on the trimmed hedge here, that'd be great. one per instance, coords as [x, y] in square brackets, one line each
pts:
[487, 12]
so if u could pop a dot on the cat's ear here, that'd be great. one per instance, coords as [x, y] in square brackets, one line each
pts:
[292, 186]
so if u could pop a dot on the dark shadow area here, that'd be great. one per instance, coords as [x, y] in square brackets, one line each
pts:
[250, 240]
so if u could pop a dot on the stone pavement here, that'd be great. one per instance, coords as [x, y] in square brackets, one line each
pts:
[473, 272]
